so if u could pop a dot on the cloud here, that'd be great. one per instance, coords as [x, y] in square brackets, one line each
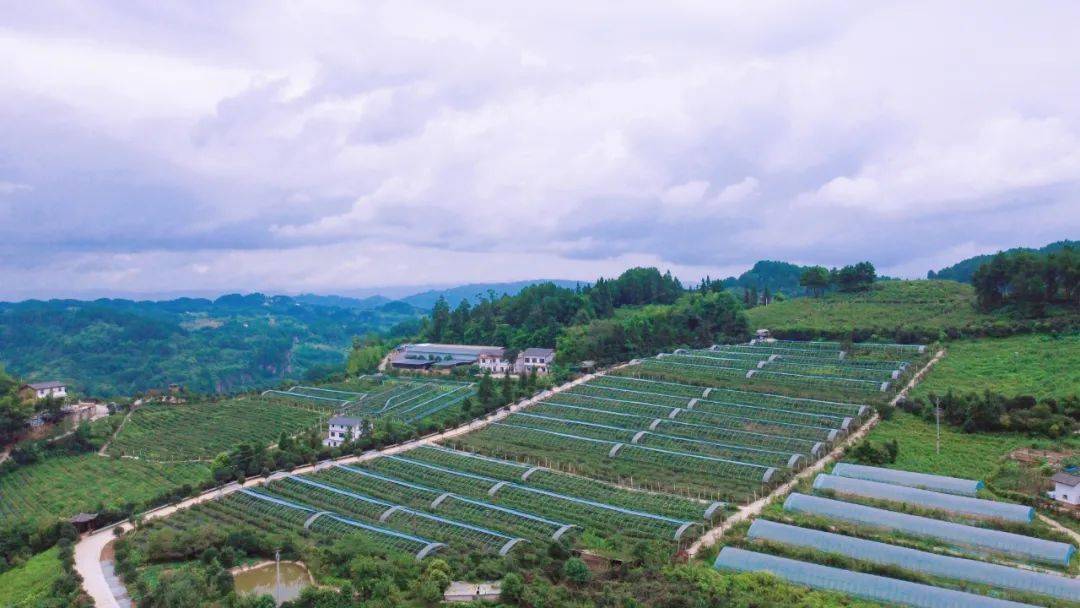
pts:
[13, 188]
[258, 142]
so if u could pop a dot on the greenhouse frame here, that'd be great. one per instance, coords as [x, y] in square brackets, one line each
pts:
[975, 571]
[971, 539]
[939, 501]
[925, 481]
[867, 586]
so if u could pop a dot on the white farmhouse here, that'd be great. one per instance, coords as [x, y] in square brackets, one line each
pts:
[1066, 488]
[537, 360]
[342, 429]
[494, 360]
[41, 390]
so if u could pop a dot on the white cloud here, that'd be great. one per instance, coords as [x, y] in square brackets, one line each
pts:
[13, 188]
[700, 135]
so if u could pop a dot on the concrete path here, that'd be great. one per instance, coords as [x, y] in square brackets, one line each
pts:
[88, 550]
[755, 508]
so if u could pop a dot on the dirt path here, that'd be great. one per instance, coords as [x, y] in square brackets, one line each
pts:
[89, 548]
[755, 508]
[1060, 528]
[104, 449]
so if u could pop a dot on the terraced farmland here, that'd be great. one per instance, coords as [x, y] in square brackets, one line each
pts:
[200, 431]
[621, 459]
[65, 485]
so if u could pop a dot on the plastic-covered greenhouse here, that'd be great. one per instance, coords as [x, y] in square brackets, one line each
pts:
[968, 538]
[918, 561]
[868, 586]
[937, 483]
[962, 505]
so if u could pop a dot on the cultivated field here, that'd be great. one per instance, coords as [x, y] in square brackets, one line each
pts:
[658, 453]
[920, 310]
[1039, 365]
[201, 431]
[64, 485]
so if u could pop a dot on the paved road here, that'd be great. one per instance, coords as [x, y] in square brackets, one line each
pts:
[88, 549]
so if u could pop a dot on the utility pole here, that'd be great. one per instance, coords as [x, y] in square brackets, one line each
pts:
[277, 576]
[937, 419]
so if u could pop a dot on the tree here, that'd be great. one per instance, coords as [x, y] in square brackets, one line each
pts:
[507, 389]
[816, 279]
[575, 571]
[485, 391]
[513, 586]
[440, 321]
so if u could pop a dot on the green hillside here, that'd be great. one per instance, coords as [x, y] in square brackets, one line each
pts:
[907, 311]
[963, 270]
[235, 343]
[1037, 365]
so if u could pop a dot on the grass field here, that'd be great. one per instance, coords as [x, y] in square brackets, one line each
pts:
[922, 309]
[64, 485]
[968, 455]
[203, 430]
[1038, 365]
[27, 585]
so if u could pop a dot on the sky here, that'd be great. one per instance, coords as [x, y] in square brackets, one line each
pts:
[335, 147]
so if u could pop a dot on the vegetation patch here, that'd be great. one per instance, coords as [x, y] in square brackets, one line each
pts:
[1037, 365]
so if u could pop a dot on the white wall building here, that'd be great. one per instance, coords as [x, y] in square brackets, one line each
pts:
[42, 390]
[342, 429]
[494, 360]
[1066, 488]
[535, 359]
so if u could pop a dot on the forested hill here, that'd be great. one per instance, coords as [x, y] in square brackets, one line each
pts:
[236, 342]
[964, 270]
[474, 292]
[772, 276]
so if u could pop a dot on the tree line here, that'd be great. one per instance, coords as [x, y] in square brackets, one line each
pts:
[849, 279]
[534, 317]
[1028, 282]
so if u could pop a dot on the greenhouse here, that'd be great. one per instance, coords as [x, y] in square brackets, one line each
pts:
[674, 528]
[933, 564]
[321, 520]
[925, 481]
[961, 505]
[867, 586]
[968, 538]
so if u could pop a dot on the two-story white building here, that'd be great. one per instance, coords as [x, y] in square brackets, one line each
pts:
[537, 360]
[494, 360]
[41, 390]
[342, 429]
[1066, 488]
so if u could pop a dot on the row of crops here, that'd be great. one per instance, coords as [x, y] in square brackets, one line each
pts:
[623, 458]
[911, 539]
[439, 499]
[200, 431]
[687, 437]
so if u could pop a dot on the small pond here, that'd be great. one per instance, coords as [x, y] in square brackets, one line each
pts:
[264, 580]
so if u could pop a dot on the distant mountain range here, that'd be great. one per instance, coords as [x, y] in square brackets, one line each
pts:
[425, 300]
[963, 270]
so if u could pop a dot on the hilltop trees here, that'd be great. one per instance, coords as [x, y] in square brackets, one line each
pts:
[816, 279]
[851, 278]
[1028, 282]
[536, 314]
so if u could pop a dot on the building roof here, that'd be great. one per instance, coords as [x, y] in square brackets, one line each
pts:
[401, 361]
[83, 518]
[39, 386]
[1066, 478]
[452, 349]
[346, 421]
[538, 352]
